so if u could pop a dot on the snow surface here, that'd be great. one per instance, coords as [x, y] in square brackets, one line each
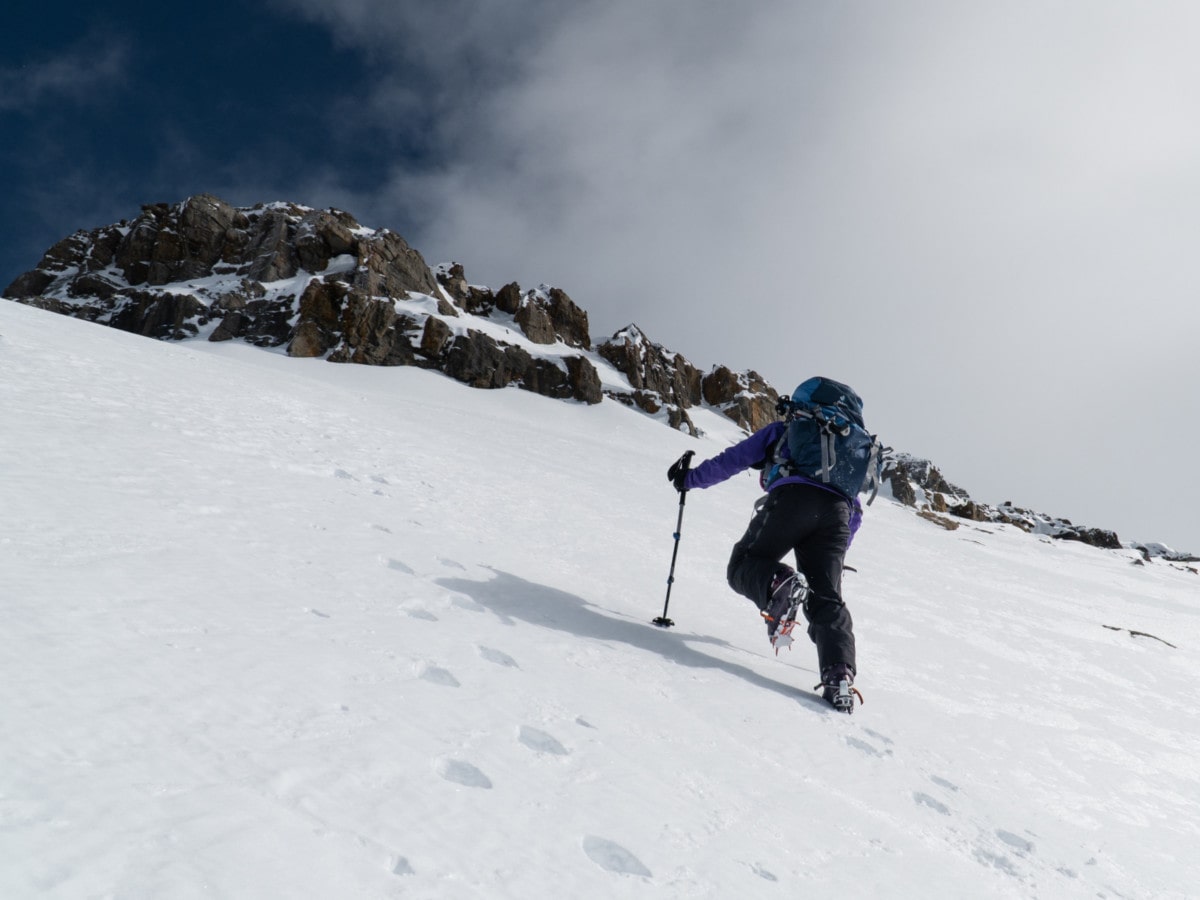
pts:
[284, 628]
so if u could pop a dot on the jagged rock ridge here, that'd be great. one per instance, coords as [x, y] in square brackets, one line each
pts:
[918, 483]
[322, 285]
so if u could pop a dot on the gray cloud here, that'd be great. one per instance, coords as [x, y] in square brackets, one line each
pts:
[980, 216]
[77, 74]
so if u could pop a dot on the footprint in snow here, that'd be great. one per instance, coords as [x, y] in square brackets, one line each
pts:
[926, 800]
[942, 782]
[613, 857]
[879, 737]
[452, 564]
[437, 675]
[763, 872]
[498, 657]
[463, 773]
[401, 867]
[540, 742]
[400, 567]
[1018, 843]
[866, 748]
[421, 614]
[996, 861]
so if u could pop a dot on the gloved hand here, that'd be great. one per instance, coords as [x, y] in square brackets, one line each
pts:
[677, 474]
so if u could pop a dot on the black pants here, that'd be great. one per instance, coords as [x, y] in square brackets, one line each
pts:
[814, 524]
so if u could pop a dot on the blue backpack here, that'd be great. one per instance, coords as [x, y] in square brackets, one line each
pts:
[826, 440]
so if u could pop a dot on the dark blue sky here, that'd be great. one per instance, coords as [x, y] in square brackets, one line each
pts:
[104, 108]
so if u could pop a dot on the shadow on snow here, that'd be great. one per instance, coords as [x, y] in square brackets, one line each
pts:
[512, 598]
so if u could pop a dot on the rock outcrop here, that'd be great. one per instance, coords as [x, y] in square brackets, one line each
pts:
[918, 483]
[314, 280]
[321, 284]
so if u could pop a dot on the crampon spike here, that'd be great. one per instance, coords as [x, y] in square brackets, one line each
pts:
[841, 695]
[782, 639]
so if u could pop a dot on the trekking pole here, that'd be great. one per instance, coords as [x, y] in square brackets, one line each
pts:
[662, 621]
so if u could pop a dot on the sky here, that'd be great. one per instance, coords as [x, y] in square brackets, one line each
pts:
[977, 215]
[264, 643]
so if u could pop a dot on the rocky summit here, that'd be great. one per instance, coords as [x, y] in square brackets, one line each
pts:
[319, 284]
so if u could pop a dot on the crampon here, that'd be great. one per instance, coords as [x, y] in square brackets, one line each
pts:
[782, 638]
[840, 694]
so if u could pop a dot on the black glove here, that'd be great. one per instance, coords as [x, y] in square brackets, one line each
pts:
[677, 474]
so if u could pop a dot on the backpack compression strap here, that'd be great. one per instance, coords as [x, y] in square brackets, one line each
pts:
[829, 430]
[874, 464]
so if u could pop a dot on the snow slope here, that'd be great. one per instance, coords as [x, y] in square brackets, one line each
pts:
[283, 628]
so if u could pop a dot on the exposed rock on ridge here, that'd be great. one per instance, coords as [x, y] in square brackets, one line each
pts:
[664, 381]
[321, 284]
[918, 483]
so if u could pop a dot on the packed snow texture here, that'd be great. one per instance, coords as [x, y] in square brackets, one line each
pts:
[281, 628]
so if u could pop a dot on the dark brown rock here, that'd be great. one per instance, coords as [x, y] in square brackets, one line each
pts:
[372, 333]
[453, 280]
[679, 420]
[650, 367]
[477, 301]
[902, 489]
[162, 316]
[322, 235]
[931, 516]
[475, 359]
[93, 284]
[268, 322]
[570, 323]
[744, 397]
[534, 320]
[388, 267]
[233, 325]
[270, 251]
[33, 283]
[69, 257]
[318, 324]
[969, 510]
[169, 244]
[584, 380]
[508, 298]
[539, 375]
[434, 337]
[1096, 537]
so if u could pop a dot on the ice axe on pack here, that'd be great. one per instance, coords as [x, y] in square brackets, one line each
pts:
[677, 473]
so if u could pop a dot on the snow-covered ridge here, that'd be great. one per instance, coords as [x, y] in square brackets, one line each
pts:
[317, 283]
[918, 483]
[278, 628]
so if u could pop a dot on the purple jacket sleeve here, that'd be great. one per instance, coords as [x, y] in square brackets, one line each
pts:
[754, 449]
[737, 458]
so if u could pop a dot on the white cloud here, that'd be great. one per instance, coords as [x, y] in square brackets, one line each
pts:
[981, 216]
